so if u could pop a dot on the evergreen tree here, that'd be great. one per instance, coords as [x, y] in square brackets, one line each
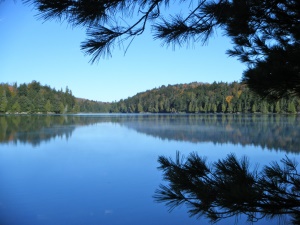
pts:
[139, 108]
[3, 102]
[26, 104]
[239, 109]
[48, 106]
[229, 188]
[253, 109]
[16, 108]
[229, 108]
[291, 107]
[61, 108]
[76, 108]
[264, 108]
[214, 108]
[277, 107]
[223, 108]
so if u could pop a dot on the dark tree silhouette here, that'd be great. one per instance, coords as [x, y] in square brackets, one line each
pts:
[229, 188]
[265, 33]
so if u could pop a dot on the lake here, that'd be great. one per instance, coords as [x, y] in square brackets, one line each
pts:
[101, 169]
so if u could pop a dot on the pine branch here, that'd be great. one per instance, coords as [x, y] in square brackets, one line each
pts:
[229, 188]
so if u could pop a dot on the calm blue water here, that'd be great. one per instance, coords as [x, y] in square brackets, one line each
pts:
[102, 169]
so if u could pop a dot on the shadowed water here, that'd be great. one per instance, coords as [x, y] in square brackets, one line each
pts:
[101, 168]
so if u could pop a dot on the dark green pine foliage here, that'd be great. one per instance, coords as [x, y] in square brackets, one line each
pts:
[229, 187]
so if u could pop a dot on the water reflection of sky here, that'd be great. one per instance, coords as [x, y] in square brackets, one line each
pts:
[104, 173]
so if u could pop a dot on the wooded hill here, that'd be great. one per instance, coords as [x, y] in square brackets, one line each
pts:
[203, 98]
[36, 98]
[87, 106]
[181, 98]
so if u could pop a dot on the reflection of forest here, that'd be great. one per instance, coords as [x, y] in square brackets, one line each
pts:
[280, 132]
[31, 129]
[34, 129]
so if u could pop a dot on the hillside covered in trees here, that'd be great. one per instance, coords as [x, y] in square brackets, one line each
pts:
[36, 98]
[181, 98]
[204, 98]
[90, 106]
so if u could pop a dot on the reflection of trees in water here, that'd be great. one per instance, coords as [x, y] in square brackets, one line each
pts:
[34, 129]
[279, 132]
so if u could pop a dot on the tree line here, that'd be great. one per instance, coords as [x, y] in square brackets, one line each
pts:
[197, 97]
[194, 97]
[88, 106]
[36, 98]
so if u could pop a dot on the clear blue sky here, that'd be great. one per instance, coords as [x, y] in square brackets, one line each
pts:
[49, 52]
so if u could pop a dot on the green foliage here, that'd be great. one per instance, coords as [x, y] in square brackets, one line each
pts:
[84, 105]
[291, 107]
[34, 98]
[3, 102]
[253, 109]
[277, 107]
[229, 188]
[76, 108]
[61, 108]
[181, 98]
[26, 104]
[16, 108]
[48, 106]
[203, 98]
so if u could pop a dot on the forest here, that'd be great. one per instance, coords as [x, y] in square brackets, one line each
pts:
[194, 97]
[198, 97]
[36, 98]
